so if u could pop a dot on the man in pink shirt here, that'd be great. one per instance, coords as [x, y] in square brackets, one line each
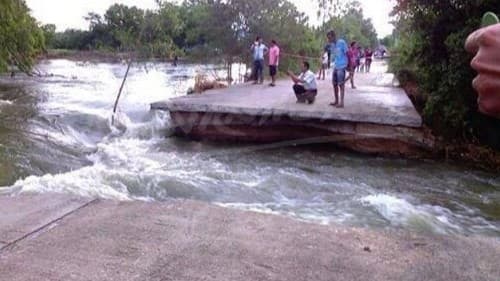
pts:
[274, 57]
[353, 56]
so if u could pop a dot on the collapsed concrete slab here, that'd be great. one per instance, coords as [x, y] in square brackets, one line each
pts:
[376, 118]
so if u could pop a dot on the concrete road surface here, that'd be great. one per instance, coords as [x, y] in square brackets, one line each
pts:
[56, 237]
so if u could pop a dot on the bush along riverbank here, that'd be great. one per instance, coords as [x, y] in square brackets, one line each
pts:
[466, 149]
[433, 66]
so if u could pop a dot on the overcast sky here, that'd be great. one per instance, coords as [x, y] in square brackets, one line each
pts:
[69, 13]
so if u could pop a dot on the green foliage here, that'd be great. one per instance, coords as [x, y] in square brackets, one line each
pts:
[49, 33]
[348, 22]
[127, 29]
[72, 39]
[20, 37]
[430, 50]
[222, 29]
[389, 41]
[200, 28]
[148, 33]
[125, 25]
[228, 28]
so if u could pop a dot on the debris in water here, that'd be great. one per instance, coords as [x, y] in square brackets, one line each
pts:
[203, 83]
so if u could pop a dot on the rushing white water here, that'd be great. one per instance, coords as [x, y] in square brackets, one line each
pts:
[77, 151]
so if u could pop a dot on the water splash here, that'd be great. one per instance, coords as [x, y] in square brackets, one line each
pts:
[422, 217]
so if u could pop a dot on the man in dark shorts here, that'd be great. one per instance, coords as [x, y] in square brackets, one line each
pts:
[328, 52]
[258, 52]
[305, 87]
[368, 59]
[353, 56]
[339, 58]
[274, 56]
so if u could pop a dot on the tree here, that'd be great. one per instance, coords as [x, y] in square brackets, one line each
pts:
[328, 9]
[161, 30]
[350, 24]
[49, 32]
[388, 41]
[72, 39]
[125, 24]
[146, 33]
[228, 28]
[220, 29]
[100, 35]
[20, 37]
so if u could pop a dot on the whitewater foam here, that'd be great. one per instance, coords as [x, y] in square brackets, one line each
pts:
[400, 212]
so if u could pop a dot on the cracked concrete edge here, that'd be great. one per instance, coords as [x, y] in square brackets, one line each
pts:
[389, 120]
[26, 225]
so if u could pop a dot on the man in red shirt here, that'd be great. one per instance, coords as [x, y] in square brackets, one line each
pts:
[368, 59]
[353, 56]
[274, 57]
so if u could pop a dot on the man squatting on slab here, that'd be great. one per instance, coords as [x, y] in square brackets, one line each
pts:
[305, 86]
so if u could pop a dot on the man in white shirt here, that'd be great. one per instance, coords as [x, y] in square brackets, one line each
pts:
[324, 66]
[305, 86]
[258, 52]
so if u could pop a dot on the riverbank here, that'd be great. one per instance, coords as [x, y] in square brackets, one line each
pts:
[71, 238]
[470, 154]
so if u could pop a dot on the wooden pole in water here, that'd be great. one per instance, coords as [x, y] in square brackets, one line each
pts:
[120, 92]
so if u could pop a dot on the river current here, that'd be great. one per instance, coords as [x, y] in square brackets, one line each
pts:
[56, 136]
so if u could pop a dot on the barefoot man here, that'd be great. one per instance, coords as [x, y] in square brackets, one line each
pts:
[338, 49]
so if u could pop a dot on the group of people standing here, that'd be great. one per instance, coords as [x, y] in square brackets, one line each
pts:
[343, 60]
[359, 61]
[259, 50]
[350, 60]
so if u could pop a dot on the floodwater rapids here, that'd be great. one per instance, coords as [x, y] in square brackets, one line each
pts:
[56, 136]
